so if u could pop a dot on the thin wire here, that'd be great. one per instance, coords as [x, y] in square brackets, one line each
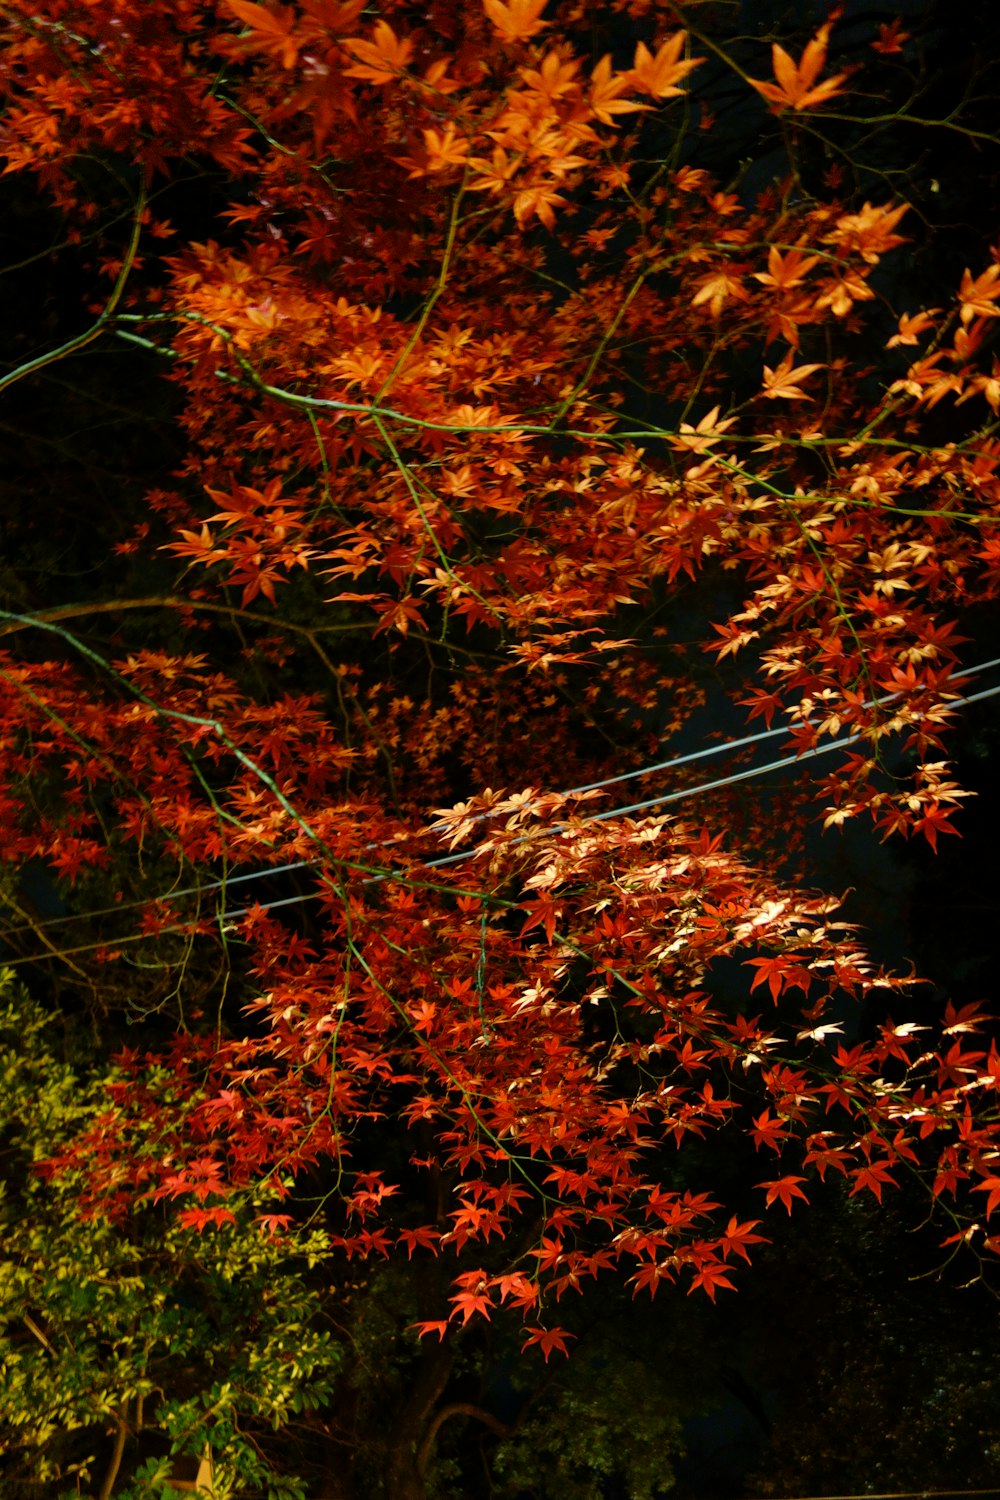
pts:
[601, 817]
[614, 812]
[299, 864]
[774, 765]
[228, 917]
[724, 747]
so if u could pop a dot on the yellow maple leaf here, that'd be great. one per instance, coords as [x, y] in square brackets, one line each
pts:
[842, 292]
[699, 439]
[869, 233]
[912, 324]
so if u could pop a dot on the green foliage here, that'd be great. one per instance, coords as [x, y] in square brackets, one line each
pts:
[885, 1379]
[611, 1415]
[204, 1338]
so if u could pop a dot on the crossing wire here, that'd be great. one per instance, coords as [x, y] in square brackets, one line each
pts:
[722, 748]
[662, 800]
[229, 917]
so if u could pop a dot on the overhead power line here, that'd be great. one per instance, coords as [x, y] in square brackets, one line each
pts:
[722, 748]
[662, 800]
[443, 861]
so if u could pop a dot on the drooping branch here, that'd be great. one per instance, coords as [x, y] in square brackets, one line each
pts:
[460, 1409]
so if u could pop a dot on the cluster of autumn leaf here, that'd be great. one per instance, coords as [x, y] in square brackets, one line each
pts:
[405, 367]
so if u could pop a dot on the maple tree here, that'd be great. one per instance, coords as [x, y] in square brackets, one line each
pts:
[356, 767]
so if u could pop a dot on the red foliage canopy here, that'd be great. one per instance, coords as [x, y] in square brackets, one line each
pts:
[444, 281]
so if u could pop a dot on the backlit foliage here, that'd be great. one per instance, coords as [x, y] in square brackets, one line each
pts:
[488, 397]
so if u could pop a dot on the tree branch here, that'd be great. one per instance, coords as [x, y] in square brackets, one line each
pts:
[460, 1409]
[107, 1488]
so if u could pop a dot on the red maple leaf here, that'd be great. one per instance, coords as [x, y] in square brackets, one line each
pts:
[547, 1339]
[783, 1190]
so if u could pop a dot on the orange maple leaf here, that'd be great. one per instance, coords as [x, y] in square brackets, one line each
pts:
[989, 1185]
[874, 1175]
[768, 1130]
[716, 289]
[518, 21]
[333, 15]
[710, 1277]
[198, 1218]
[380, 60]
[605, 90]
[474, 1298]
[784, 381]
[660, 74]
[439, 1326]
[515, 1284]
[794, 88]
[494, 174]
[979, 295]
[443, 150]
[273, 28]
[699, 439]
[890, 38]
[869, 233]
[538, 202]
[785, 271]
[912, 324]
[738, 1236]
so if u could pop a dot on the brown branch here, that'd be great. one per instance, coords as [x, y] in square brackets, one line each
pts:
[460, 1409]
[38, 929]
[107, 1487]
[33, 1327]
[168, 601]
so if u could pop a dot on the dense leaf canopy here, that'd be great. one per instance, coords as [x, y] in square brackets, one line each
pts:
[452, 450]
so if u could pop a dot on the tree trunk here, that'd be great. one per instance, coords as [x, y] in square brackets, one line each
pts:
[404, 1479]
[338, 1472]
